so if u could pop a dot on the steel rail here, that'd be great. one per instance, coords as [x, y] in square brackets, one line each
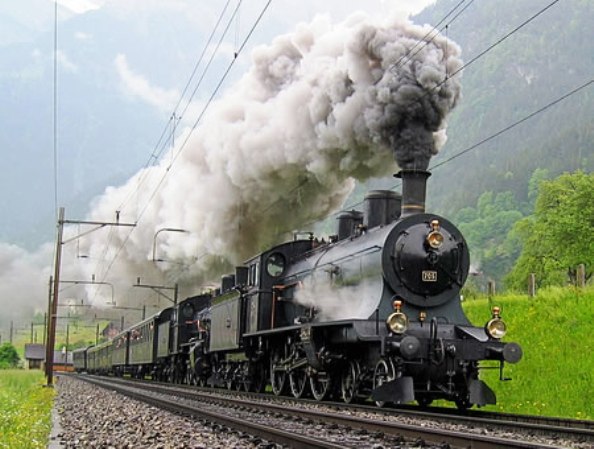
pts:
[409, 431]
[290, 439]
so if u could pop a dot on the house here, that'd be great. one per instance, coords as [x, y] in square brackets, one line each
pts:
[34, 355]
[35, 358]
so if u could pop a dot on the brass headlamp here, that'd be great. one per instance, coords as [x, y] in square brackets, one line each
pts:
[496, 327]
[435, 237]
[397, 322]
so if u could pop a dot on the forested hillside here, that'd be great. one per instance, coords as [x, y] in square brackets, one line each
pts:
[522, 59]
[544, 60]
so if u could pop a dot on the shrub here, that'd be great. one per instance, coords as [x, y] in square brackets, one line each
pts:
[8, 356]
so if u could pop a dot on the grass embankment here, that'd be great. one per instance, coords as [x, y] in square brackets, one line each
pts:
[25, 409]
[556, 331]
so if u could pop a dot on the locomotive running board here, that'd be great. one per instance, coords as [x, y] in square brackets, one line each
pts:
[398, 391]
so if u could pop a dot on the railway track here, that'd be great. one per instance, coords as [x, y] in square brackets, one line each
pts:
[330, 425]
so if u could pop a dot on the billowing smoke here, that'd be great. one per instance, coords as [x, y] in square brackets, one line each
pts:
[319, 108]
[24, 281]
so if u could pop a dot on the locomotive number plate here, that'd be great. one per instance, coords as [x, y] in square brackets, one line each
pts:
[429, 276]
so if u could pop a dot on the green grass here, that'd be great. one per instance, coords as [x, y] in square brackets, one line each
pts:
[25, 409]
[555, 329]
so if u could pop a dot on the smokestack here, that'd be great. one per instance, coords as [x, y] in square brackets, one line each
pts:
[414, 187]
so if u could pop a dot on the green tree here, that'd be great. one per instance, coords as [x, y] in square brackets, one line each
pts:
[557, 237]
[486, 229]
[8, 356]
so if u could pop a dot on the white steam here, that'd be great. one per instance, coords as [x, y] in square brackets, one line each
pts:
[24, 279]
[319, 108]
[345, 302]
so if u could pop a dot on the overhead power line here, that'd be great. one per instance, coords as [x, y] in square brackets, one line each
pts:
[513, 125]
[424, 41]
[466, 65]
[55, 124]
[223, 78]
[198, 120]
[161, 143]
[473, 146]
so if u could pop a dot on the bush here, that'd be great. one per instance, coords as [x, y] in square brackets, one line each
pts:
[8, 356]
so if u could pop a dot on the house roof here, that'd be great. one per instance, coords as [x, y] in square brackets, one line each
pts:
[34, 351]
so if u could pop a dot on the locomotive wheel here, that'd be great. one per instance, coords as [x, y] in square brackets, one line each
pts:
[190, 378]
[320, 384]
[298, 382]
[384, 372]
[242, 377]
[349, 382]
[230, 377]
[256, 378]
[463, 403]
[278, 376]
[424, 401]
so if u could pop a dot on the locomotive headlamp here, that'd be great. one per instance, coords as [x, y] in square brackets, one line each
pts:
[496, 328]
[397, 322]
[435, 237]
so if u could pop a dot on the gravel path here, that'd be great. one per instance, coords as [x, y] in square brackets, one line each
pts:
[92, 417]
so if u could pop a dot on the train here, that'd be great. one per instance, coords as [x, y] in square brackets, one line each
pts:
[373, 313]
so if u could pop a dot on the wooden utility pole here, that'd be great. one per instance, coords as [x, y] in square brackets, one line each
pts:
[45, 317]
[532, 285]
[581, 276]
[51, 336]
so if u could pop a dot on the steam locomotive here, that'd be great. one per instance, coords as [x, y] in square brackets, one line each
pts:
[372, 313]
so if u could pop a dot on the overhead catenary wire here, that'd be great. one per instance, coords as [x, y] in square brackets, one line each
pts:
[516, 123]
[160, 145]
[424, 41]
[55, 111]
[237, 52]
[475, 145]
[471, 61]
[224, 76]
[205, 108]
[195, 125]
[156, 154]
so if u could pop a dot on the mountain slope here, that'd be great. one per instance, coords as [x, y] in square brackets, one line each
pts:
[538, 64]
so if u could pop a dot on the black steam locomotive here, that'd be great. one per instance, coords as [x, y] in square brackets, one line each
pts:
[373, 313]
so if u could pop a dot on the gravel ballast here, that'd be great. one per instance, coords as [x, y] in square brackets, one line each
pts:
[92, 417]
